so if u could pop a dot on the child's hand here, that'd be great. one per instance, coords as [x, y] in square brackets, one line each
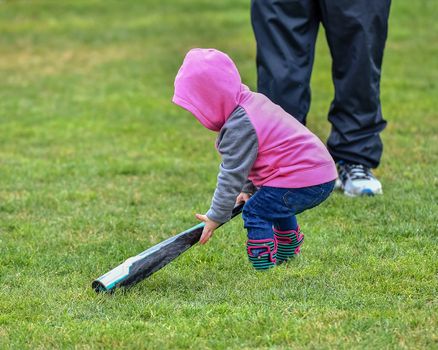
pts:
[209, 228]
[242, 197]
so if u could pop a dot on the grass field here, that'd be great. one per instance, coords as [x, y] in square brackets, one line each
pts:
[96, 165]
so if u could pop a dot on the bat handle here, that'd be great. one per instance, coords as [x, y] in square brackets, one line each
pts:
[236, 211]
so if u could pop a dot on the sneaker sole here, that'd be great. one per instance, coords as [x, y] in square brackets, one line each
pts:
[366, 192]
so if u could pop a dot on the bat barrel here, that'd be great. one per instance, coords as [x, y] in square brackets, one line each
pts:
[146, 263]
[111, 279]
[141, 266]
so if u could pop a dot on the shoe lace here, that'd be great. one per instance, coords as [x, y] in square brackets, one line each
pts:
[358, 172]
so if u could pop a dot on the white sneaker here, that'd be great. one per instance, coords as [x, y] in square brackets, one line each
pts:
[358, 180]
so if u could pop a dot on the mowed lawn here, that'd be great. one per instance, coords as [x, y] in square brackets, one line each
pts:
[96, 165]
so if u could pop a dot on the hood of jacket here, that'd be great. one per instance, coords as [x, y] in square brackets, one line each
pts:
[208, 85]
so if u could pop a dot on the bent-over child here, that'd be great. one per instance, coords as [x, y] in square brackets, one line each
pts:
[269, 160]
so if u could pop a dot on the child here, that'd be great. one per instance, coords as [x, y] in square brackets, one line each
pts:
[262, 147]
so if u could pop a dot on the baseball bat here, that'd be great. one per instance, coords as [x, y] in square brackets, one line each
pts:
[141, 266]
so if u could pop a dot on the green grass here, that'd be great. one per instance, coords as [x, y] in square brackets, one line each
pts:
[96, 165]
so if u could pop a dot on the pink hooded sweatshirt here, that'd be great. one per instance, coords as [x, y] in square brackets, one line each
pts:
[284, 152]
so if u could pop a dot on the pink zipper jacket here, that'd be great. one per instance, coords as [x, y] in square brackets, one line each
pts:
[257, 139]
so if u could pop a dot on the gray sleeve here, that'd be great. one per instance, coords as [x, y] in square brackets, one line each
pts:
[238, 146]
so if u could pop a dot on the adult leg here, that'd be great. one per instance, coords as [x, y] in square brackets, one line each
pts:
[285, 32]
[356, 32]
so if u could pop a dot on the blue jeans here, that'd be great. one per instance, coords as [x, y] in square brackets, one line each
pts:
[273, 206]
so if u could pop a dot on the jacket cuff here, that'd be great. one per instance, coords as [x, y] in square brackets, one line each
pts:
[249, 187]
[220, 218]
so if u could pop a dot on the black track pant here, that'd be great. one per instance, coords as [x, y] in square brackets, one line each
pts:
[356, 32]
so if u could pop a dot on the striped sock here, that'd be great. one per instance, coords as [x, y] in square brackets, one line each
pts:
[289, 243]
[262, 253]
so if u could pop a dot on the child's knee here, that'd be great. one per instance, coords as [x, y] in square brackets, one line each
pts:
[257, 227]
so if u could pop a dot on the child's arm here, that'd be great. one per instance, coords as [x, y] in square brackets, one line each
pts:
[238, 147]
